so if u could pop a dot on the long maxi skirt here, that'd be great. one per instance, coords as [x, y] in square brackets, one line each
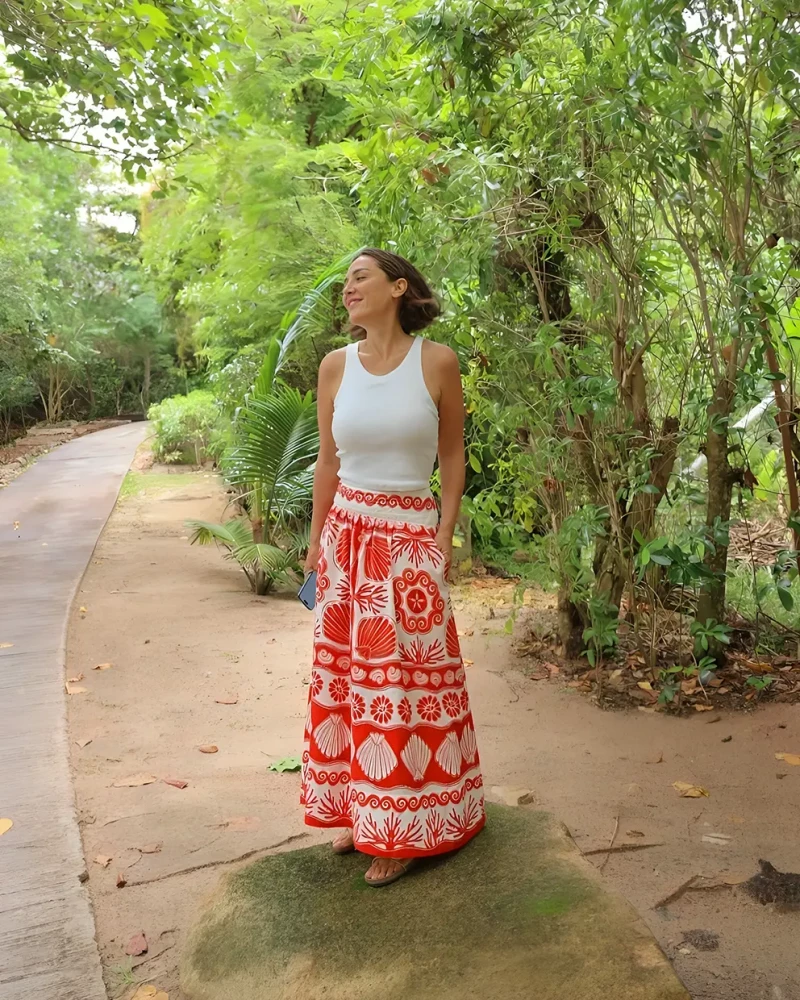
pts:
[390, 746]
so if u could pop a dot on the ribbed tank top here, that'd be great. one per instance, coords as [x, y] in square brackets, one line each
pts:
[386, 427]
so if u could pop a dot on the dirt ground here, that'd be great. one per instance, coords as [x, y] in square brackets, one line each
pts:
[181, 630]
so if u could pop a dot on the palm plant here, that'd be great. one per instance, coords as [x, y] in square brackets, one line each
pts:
[270, 466]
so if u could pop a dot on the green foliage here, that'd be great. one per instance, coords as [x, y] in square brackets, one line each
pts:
[270, 465]
[286, 764]
[136, 73]
[187, 428]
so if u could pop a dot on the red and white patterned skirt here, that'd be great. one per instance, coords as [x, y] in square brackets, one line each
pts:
[390, 745]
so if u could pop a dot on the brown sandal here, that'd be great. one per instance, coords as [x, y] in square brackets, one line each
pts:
[405, 868]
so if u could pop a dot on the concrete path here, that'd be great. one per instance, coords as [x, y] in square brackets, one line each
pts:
[47, 944]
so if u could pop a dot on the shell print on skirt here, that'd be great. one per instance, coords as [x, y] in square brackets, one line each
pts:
[336, 624]
[448, 756]
[469, 745]
[376, 757]
[416, 756]
[377, 559]
[332, 735]
[376, 638]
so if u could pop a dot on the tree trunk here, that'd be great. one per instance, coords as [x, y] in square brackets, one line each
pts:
[570, 625]
[260, 577]
[711, 603]
[145, 395]
[785, 420]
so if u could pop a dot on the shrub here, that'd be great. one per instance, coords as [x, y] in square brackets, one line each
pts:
[187, 428]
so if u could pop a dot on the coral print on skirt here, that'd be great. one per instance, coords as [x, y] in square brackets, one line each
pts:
[390, 745]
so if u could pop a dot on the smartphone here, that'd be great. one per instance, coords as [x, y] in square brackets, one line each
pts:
[308, 592]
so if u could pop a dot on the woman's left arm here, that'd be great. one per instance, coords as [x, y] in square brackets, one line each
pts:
[451, 446]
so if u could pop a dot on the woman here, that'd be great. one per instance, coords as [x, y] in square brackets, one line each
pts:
[390, 751]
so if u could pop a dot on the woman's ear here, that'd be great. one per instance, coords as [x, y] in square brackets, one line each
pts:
[400, 287]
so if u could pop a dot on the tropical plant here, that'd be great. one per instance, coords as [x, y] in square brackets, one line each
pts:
[186, 428]
[270, 467]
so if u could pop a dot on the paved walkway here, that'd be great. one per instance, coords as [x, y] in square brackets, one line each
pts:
[47, 944]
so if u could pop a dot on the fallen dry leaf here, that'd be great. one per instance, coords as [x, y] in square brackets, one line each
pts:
[231, 699]
[6, 645]
[75, 680]
[209, 748]
[719, 839]
[789, 758]
[150, 993]
[121, 883]
[175, 782]
[103, 860]
[83, 743]
[468, 663]
[634, 833]
[552, 669]
[241, 824]
[74, 689]
[688, 791]
[644, 685]
[82, 610]
[137, 945]
[134, 780]
[5, 825]
[102, 666]
[703, 708]
[151, 848]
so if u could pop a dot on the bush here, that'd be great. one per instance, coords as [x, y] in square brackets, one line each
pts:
[188, 428]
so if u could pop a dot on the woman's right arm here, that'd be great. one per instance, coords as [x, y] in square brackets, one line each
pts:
[326, 471]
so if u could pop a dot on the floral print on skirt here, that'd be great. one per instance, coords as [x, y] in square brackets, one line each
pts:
[390, 746]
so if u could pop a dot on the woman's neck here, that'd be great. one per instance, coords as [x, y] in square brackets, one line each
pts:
[384, 339]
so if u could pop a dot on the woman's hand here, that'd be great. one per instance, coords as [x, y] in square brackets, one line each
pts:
[312, 559]
[444, 542]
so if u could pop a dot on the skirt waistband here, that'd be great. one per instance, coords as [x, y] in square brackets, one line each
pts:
[408, 508]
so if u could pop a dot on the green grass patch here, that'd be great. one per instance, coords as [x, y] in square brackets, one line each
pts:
[140, 483]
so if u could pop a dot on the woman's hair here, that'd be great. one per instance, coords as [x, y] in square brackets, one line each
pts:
[419, 307]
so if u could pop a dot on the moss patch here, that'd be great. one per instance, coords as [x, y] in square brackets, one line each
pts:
[513, 915]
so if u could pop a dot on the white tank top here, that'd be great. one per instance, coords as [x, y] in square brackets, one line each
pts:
[386, 427]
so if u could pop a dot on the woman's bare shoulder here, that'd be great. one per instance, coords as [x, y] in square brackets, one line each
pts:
[333, 364]
[441, 357]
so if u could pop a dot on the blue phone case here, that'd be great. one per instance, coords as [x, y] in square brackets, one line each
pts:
[308, 592]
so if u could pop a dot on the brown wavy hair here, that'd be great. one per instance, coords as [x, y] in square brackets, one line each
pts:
[419, 307]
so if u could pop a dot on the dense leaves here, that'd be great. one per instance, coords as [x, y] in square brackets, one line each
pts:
[101, 75]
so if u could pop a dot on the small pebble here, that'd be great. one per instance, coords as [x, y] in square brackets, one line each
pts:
[727, 739]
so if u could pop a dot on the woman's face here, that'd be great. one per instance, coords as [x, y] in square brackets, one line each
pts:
[369, 293]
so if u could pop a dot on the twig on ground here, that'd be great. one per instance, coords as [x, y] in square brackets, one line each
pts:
[150, 958]
[611, 843]
[677, 893]
[620, 849]
[224, 861]
[690, 886]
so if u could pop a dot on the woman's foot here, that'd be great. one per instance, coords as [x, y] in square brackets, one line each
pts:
[343, 844]
[384, 871]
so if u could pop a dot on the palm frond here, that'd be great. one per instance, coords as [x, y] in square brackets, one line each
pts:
[232, 535]
[278, 438]
[271, 559]
[299, 321]
[266, 376]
